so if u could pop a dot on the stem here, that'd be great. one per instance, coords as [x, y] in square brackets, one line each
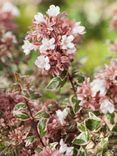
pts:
[72, 83]
[34, 122]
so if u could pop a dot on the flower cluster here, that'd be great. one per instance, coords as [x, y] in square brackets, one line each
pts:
[35, 123]
[14, 110]
[100, 94]
[64, 150]
[7, 103]
[7, 25]
[56, 38]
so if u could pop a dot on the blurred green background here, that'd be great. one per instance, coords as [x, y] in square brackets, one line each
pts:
[93, 14]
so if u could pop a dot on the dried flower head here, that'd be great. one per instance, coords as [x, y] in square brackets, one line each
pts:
[56, 38]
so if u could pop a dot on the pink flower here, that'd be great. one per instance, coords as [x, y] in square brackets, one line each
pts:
[42, 62]
[98, 85]
[53, 10]
[61, 115]
[78, 29]
[54, 38]
[39, 18]
[49, 152]
[107, 106]
[28, 47]
[65, 149]
[47, 44]
[100, 94]
[18, 135]
[9, 7]
[9, 35]
[66, 42]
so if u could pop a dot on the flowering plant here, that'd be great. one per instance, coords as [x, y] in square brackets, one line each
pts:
[56, 38]
[80, 122]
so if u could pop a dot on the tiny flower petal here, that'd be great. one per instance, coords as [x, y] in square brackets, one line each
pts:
[63, 146]
[62, 115]
[9, 7]
[98, 85]
[53, 10]
[66, 42]
[78, 29]
[9, 35]
[47, 44]
[39, 18]
[65, 149]
[42, 62]
[107, 106]
[27, 47]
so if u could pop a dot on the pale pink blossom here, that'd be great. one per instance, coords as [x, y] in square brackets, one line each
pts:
[61, 115]
[107, 106]
[53, 10]
[47, 44]
[9, 7]
[54, 38]
[65, 149]
[42, 62]
[67, 42]
[78, 29]
[39, 18]
[98, 85]
[28, 47]
[9, 35]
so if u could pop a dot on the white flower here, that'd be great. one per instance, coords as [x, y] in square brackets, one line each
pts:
[62, 115]
[65, 149]
[42, 62]
[66, 42]
[71, 51]
[27, 47]
[9, 35]
[98, 85]
[47, 44]
[39, 18]
[9, 7]
[78, 29]
[107, 106]
[53, 10]
[69, 151]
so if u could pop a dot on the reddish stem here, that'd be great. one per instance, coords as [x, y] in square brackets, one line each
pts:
[72, 83]
[34, 122]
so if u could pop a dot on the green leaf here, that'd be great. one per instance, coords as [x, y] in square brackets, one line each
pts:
[20, 106]
[92, 124]
[41, 114]
[82, 127]
[22, 116]
[81, 139]
[103, 145]
[55, 83]
[53, 145]
[110, 117]
[41, 127]
[81, 152]
[93, 116]
[29, 140]
[75, 103]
